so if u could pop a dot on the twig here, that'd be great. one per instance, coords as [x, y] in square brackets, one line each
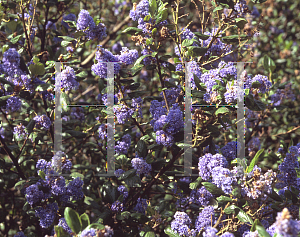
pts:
[105, 41]
[161, 172]
[13, 158]
[287, 131]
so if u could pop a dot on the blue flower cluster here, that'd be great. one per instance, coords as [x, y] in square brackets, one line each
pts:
[100, 68]
[86, 23]
[127, 56]
[230, 150]
[68, 79]
[288, 174]
[141, 206]
[166, 126]
[42, 122]
[260, 185]
[181, 224]
[91, 232]
[141, 166]
[123, 146]
[78, 114]
[208, 162]
[205, 218]
[53, 185]
[281, 94]
[69, 17]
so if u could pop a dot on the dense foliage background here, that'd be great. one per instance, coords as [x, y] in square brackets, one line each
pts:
[151, 40]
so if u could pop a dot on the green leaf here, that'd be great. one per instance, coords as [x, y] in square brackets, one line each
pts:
[231, 209]
[12, 25]
[219, 8]
[136, 69]
[240, 22]
[65, 43]
[67, 38]
[134, 86]
[212, 188]
[170, 232]
[3, 99]
[213, 129]
[140, 59]
[85, 220]
[152, 7]
[134, 181]
[76, 174]
[128, 174]
[269, 64]
[254, 160]
[42, 174]
[150, 234]
[82, 74]
[258, 1]
[16, 39]
[30, 126]
[196, 183]
[64, 101]
[141, 148]
[73, 220]
[234, 38]
[187, 42]
[60, 232]
[37, 69]
[76, 134]
[243, 217]
[262, 231]
[201, 36]
[161, 16]
[222, 199]
[132, 30]
[222, 110]
[197, 51]
[96, 226]
[256, 84]
[147, 18]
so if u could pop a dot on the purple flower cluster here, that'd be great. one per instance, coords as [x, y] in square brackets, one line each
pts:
[100, 68]
[123, 113]
[141, 206]
[53, 185]
[181, 224]
[208, 162]
[223, 178]
[281, 94]
[20, 234]
[141, 166]
[69, 17]
[139, 10]
[86, 23]
[254, 144]
[137, 106]
[119, 172]
[260, 185]
[172, 94]
[230, 150]
[205, 218]
[62, 222]
[166, 126]
[123, 146]
[78, 114]
[47, 214]
[127, 56]
[200, 196]
[285, 225]
[13, 104]
[42, 122]
[288, 174]
[117, 206]
[68, 79]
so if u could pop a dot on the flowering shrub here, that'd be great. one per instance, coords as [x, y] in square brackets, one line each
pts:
[59, 183]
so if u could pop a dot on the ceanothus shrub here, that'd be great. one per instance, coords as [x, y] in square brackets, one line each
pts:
[72, 191]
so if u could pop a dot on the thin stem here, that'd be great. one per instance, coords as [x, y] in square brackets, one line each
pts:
[13, 158]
